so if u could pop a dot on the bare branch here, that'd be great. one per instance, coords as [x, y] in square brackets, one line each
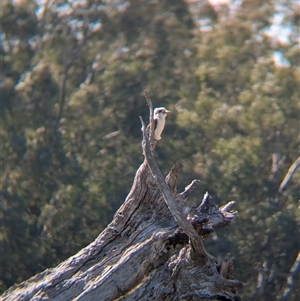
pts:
[288, 176]
[290, 280]
[63, 82]
[151, 120]
[170, 201]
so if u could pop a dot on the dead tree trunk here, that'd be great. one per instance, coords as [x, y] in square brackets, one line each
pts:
[152, 250]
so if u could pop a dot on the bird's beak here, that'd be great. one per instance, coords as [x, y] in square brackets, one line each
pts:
[167, 112]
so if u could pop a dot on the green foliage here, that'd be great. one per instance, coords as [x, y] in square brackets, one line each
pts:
[73, 79]
[247, 119]
[72, 90]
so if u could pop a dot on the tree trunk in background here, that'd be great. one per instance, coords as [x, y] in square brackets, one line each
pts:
[143, 254]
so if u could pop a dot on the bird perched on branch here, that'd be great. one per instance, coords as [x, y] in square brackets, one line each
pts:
[160, 115]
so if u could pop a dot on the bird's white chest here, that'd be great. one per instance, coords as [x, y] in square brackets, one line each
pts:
[160, 124]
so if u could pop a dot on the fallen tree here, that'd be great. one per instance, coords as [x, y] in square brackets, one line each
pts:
[152, 250]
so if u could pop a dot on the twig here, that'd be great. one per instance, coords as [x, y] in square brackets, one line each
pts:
[288, 176]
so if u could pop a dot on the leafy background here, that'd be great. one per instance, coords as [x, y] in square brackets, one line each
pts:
[73, 76]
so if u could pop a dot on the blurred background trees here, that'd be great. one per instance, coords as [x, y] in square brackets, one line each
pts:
[73, 76]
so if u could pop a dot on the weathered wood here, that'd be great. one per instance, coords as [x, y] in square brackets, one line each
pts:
[174, 207]
[152, 250]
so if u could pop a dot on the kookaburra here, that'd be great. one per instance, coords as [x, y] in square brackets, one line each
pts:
[160, 115]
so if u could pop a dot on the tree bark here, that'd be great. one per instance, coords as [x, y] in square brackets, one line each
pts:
[152, 250]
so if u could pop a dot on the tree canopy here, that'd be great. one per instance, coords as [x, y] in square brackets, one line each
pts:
[73, 76]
